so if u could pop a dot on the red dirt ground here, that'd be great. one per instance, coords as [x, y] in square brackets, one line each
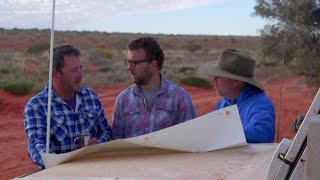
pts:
[296, 99]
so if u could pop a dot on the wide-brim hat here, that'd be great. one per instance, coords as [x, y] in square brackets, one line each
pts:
[316, 13]
[232, 64]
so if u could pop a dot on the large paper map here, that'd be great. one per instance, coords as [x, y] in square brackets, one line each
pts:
[216, 130]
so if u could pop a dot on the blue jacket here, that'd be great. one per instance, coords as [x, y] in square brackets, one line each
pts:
[256, 113]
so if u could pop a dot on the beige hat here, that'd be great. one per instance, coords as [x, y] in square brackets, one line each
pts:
[232, 64]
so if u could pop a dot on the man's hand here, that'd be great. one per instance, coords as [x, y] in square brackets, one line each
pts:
[93, 141]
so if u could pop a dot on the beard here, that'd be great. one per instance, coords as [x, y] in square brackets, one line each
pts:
[143, 79]
[76, 85]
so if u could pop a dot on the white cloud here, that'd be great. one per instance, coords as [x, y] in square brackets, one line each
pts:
[71, 13]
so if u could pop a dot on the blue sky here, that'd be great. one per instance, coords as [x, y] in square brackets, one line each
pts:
[205, 17]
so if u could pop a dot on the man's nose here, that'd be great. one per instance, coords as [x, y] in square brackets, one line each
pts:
[130, 66]
[81, 73]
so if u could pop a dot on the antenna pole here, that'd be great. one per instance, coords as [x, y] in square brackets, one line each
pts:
[281, 87]
[50, 78]
[282, 74]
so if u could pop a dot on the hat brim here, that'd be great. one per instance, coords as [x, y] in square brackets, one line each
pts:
[210, 68]
[316, 13]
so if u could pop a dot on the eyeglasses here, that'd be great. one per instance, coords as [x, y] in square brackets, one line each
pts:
[134, 63]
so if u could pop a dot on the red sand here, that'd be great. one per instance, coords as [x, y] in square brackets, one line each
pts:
[14, 160]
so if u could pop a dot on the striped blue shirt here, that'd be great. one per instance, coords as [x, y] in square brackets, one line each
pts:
[66, 123]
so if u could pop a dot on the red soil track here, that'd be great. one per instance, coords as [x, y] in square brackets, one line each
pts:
[296, 99]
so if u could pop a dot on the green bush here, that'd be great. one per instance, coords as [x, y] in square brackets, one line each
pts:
[9, 69]
[18, 86]
[122, 43]
[38, 47]
[105, 69]
[192, 47]
[186, 69]
[267, 64]
[38, 87]
[196, 82]
[104, 53]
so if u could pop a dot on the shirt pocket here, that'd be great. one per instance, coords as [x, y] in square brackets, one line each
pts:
[165, 115]
[133, 124]
[58, 128]
[90, 118]
[132, 114]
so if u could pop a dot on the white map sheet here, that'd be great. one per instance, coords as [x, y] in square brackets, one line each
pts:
[216, 130]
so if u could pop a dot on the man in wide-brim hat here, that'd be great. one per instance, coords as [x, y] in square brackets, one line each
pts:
[232, 75]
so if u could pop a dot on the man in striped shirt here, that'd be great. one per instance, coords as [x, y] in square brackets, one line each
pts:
[75, 110]
[152, 103]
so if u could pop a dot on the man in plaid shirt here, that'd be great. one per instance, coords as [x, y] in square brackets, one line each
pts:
[152, 103]
[75, 110]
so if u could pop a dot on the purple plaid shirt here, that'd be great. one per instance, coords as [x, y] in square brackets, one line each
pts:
[131, 118]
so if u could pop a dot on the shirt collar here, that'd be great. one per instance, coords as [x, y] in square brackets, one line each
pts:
[163, 86]
[245, 92]
[55, 97]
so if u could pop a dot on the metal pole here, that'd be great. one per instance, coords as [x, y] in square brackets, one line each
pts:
[285, 39]
[281, 86]
[50, 78]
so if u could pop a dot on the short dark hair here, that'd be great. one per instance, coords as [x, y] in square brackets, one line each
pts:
[151, 47]
[59, 52]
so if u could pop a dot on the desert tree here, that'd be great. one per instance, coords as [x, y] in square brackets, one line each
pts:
[291, 35]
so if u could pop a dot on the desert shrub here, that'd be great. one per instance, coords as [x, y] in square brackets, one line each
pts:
[38, 87]
[171, 61]
[44, 70]
[266, 64]
[107, 54]
[104, 69]
[9, 69]
[186, 69]
[165, 45]
[192, 47]
[232, 39]
[122, 43]
[196, 82]
[38, 47]
[19, 86]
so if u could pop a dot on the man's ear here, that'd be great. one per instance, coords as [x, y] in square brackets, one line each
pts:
[55, 73]
[239, 84]
[154, 63]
